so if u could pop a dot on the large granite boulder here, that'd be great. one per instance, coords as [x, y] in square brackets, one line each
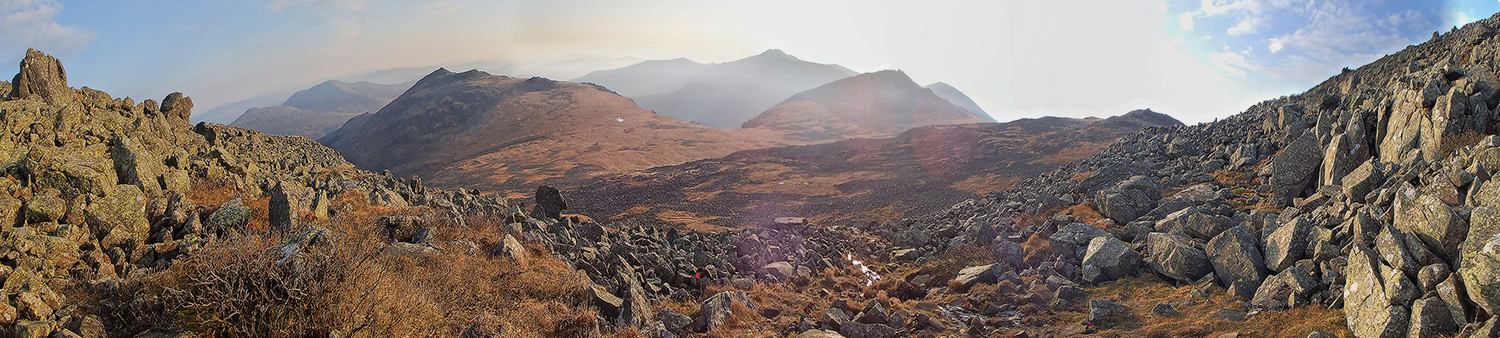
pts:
[1177, 257]
[41, 77]
[1294, 168]
[1481, 259]
[1287, 244]
[1236, 258]
[1128, 200]
[1194, 223]
[1109, 259]
[1432, 221]
[1369, 309]
[715, 311]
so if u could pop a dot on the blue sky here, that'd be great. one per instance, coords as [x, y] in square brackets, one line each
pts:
[1197, 60]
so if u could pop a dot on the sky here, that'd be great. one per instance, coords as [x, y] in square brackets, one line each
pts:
[1197, 60]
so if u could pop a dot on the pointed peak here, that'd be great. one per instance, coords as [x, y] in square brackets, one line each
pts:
[775, 53]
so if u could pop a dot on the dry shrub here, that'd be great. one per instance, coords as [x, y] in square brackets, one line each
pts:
[347, 286]
[1464, 139]
[1084, 212]
[212, 192]
[1082, 176]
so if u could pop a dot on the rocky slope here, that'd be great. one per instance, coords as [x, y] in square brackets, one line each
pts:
[872, 105]
[918, 172]
[502, 133]
[316, 111]
[1369, 193]
[957, 98]
[722, 95]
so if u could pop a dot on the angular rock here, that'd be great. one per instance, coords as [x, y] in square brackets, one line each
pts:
[1129, 199]
[1294, 168]
[283, 207]
[715, 311]
[1341, 157]
[1109, 259]
[122, 211]
[1106, 314]
[1369, 311]
[979, 274]
[1481, 259]
[1235, 257]
[511, 248]
[675, 322]
[232, 216]
[550, 201]
[41, 77]
[1363, 179]
[859, 330]
[1273, 294]
[780, 270]
[1073, 239]
[1432, 221]
[1287, 244]
[1194, 223]
[1430, 318]
[1177, 257]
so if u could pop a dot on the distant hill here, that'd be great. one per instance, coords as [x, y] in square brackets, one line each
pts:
[921, 171]
[318, 110]
[872, 105]
[503, 133]
[722, 95]
[958, 98]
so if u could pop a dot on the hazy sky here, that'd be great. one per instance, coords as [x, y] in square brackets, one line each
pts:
[1196, 60]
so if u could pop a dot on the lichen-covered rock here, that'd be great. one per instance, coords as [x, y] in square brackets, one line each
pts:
[1109, 259]
[979, 274]
[1481, 259]
[716, 310]
[511, 248]
[1106, 314]
[1235, 257]
[1369, 311]
[1177, 257]
[1073, 239]
[1194, 223]
[231, 217]
[41, 77]
[1128, 200]
[1287, 244]
[1341, 158]
[1430, 318]
[1431, 221]
[1363, 179]
[122, 211]
[1294, 168]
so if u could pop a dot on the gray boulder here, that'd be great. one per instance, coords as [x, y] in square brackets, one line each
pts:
[1481, 259]
[1128, 200]
[1360, 181]
[716, 310]
[1294, 168]
[1235, 257]
[980, 274]
[1177, 257]
[1430, 318]
[1369, 310]
[1287, 244]
[1341, 157]
[1430, 220]
[1073, 239]
[1194, 223]
[1109, 259]
[1106, 314]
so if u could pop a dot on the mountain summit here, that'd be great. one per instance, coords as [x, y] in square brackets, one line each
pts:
[722, 95]
[871, 105]
[501, 132]
[316, 111]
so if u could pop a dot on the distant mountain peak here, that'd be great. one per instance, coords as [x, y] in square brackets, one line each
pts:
[776, 53]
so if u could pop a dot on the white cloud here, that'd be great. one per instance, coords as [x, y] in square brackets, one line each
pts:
[1231, 63]
[1246, 26]
[1186, 19]
[31, 24]
[1276, 44]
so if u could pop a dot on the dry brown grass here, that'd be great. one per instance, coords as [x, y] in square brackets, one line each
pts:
[1143, 292]
[347, 286]
[1084, 212]
[212, 192]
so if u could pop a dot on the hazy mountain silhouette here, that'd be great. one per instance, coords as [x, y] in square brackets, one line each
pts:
[722, 95]
[320, 109]
[958, 98]
[872, 105]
